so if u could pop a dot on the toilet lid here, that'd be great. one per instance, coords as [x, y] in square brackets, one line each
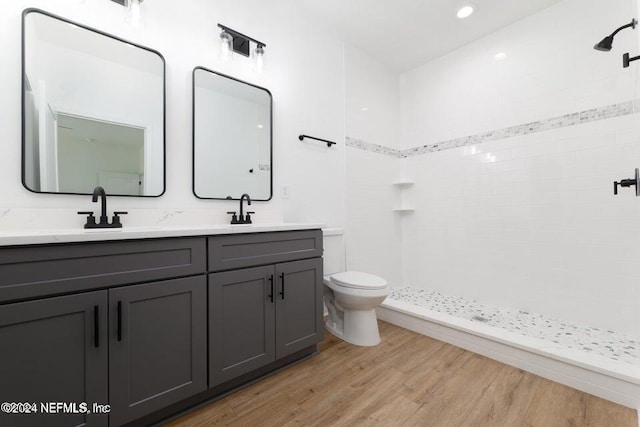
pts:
[356, 279]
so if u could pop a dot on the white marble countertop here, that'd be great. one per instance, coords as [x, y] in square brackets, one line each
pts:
[38, 237]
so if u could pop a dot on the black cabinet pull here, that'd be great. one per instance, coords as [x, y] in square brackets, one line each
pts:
[271, 294]
[282, 278]
[96, 326]
[119, 320]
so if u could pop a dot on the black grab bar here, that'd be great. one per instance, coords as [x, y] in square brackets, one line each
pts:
[329, 143]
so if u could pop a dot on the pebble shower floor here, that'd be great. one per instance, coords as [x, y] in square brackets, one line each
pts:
[585, 338]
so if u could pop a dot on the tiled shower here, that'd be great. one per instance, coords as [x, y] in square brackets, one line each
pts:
[509, 147]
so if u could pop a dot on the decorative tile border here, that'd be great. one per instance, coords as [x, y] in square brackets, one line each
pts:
[573, 119]
[556, 332]
[374, 148]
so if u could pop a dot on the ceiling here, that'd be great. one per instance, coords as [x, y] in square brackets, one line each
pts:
[81, 130]
[407, 33]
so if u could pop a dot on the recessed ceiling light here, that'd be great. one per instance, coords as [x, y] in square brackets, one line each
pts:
[465, 12]
[364, 109]
[260, 126]
[500, 56]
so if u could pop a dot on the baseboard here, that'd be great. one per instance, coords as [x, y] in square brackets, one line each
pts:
[600, 384]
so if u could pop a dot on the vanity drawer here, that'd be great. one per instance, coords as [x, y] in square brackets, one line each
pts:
[35, 271]
[246, 250]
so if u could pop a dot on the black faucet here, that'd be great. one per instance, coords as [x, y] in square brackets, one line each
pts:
[245, 196]
[104, 219]
[242, 219]
[99, 192]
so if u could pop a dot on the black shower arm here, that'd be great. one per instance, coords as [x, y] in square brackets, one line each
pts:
[632, 25]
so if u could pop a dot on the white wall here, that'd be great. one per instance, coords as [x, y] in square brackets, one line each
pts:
[529, 222]
[372, 99]
[537, 229]
[304, 71]
[373, 234]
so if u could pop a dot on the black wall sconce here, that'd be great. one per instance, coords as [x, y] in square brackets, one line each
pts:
[235, 41]
[135, 14]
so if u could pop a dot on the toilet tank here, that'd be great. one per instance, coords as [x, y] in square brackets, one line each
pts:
[334, 250]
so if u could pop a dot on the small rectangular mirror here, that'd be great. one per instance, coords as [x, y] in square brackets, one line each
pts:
[93, 111]
[232, 138]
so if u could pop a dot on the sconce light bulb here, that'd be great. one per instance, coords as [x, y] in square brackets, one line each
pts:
[259, 58]
[135, 14]
[226, 46]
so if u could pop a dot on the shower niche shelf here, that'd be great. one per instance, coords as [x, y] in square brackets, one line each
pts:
[403, 183]
[402, 195]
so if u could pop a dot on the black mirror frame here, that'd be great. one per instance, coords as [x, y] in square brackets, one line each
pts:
[23, 85]
[193, 131]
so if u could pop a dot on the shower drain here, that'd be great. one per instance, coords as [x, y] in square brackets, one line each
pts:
[480, 319]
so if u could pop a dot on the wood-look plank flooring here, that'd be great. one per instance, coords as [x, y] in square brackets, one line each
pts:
[407, 380]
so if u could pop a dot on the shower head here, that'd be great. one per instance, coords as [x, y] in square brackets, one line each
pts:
[606, 43]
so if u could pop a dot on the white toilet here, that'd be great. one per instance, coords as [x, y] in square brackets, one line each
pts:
[351, 298]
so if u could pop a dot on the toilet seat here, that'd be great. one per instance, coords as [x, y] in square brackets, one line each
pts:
[358, 280]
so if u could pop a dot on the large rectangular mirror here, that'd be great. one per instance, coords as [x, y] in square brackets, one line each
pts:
[93, 111]
[232, 138]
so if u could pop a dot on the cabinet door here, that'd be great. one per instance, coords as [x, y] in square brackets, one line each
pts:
[54, 350]
[241, 322]
[298, 305]
[157, 345]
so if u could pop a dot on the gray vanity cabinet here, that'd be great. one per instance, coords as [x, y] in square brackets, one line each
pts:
[153, 327]
[54, 350]
[261, 314]
[298, 305]
[241, 322]
[157, 346]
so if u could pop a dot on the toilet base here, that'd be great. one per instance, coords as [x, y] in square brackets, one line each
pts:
[360, 328]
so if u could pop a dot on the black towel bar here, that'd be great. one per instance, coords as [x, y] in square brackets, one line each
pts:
[329, 143]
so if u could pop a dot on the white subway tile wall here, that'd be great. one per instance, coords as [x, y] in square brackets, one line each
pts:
[374, 233]
[573, 119]
[514, 163]
[531, 222]
[551, 70]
